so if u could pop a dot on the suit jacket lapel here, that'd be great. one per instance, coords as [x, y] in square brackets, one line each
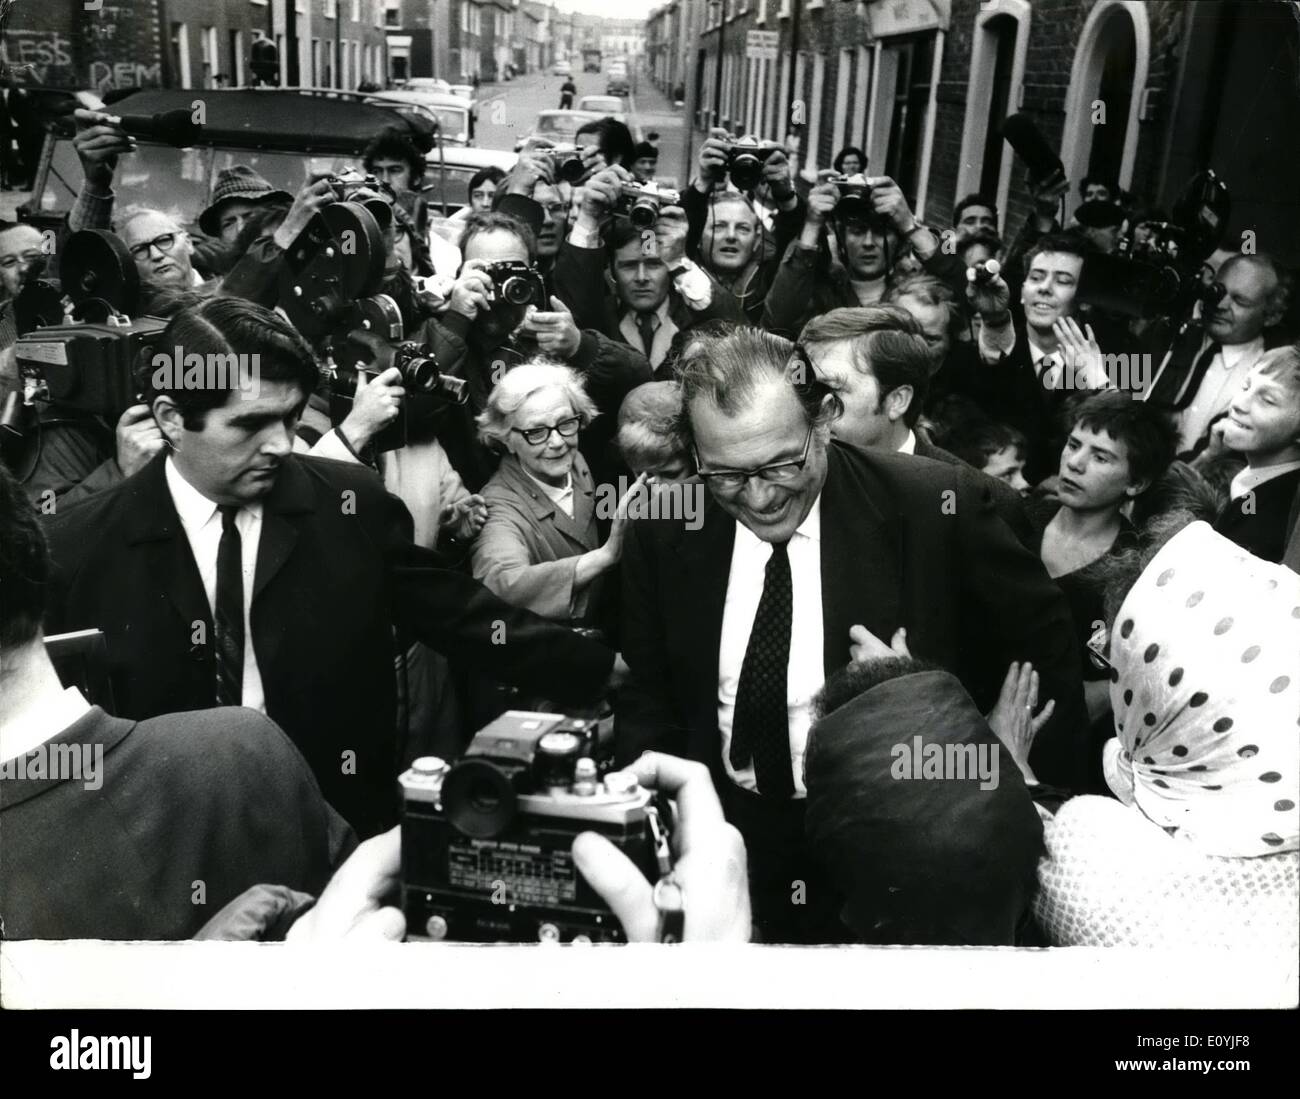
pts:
[289, 500]
[546, 511]
[860, 557]
[154, 525]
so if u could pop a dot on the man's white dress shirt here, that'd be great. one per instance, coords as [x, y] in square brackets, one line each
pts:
[202, 524]
[806, 670]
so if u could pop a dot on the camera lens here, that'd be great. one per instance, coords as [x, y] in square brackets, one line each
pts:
[517, 290]
[643, 214]
[746, 171]
[570, 169]
[478, 798]
[420, 373]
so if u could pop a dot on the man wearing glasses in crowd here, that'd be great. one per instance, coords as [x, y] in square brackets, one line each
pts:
[811, 550]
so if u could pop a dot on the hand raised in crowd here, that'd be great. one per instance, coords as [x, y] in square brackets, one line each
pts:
[464, 517]
[613, 546]
[600, 193]
[99, 141]
[822, 200]
[532, 167]
[433, 293]
[556, 332]
[471, 293]
[887, 201]
[310, 198]
[865, 646]
[138, 439]
[375, 405]
[1047, 200]
[1013, 719]
[352, 904]
[991, 297]
[710, 868]
[777, 176]
[1082, 354]
[671, 229]
[712, 161]
[593, 161]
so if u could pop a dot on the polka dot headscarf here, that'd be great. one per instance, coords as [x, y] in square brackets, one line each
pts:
[1205, 690]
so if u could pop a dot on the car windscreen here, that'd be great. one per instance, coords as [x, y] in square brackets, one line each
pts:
[454, 187]
[178, 181]
[563, 125]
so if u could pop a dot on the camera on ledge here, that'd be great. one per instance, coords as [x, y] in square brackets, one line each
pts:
[745, 159]
[565, 162]
[516, 283]
[330, 287]
[487, 842]
[1164, 273]
[640, 203]
[91, 363]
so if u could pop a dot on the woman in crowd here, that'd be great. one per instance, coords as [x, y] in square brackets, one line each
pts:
[541, 547]
[850, 160]
[1115, 450]
[1202, 847]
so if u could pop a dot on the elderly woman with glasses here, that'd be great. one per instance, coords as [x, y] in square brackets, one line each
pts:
[541, 547]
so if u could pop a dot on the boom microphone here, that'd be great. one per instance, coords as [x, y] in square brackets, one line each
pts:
[176, 127]
[1030, 146]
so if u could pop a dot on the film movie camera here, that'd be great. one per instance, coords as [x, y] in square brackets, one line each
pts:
[640, 203]
[1161, 272]
[330, 286]
[92, 364]
[515, 283]
[487, 842]
[745, 159]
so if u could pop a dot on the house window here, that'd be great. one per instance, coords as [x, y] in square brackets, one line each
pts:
[236, 73]
[208, 52]
[181, 53]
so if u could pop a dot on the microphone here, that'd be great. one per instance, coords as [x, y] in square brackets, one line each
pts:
[176, 127]
[1029, 144]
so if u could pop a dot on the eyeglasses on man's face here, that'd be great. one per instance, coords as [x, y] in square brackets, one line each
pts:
[164, 244]
[732, 480]
[536, 436]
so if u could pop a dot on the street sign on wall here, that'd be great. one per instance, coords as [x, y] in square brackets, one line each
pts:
[761, 45]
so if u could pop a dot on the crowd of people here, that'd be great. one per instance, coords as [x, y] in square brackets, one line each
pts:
[797, 486]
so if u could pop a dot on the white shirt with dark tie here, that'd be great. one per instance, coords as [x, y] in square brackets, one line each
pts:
[1225, 376]
[201, 522]
[806, 670]
[664, 332]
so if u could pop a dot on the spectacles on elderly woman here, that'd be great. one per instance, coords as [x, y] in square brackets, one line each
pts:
[535, 436]
[1097, 649]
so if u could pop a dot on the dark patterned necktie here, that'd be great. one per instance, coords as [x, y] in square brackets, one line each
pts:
[1199, 369]
[645, 323]
[760, 726]
[229, 618]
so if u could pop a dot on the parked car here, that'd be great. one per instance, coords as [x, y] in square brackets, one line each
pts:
[462, 91]
[285, 136]
[617, 85]
[449, 170]
[601, 104]
[557, 127]
[454, 115]
[562, 68]
[427, 84]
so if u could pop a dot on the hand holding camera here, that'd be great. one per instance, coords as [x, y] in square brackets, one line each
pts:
[306, 204]
[710, 873]
[887, 202]
[601, 193]
[822, 200]
[642, 203]
[987, 291]
[712, 161]
[138, 439]
[556, 332]
[99, 141]
[471, 294]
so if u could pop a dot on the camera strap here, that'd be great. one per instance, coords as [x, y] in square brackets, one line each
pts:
[668, 896]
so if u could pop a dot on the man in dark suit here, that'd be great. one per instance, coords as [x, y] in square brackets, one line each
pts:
[1263, 423]
[230, 571]
[729, 630]
[877, 359]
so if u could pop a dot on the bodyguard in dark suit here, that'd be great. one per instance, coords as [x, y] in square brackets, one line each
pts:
[232, 572]
[729, 630]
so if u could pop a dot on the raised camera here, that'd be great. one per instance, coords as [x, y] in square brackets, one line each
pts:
[745, 160]
[565, 161]
[640, 203]
[516, 283]
[487, 842]
[348, 185]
